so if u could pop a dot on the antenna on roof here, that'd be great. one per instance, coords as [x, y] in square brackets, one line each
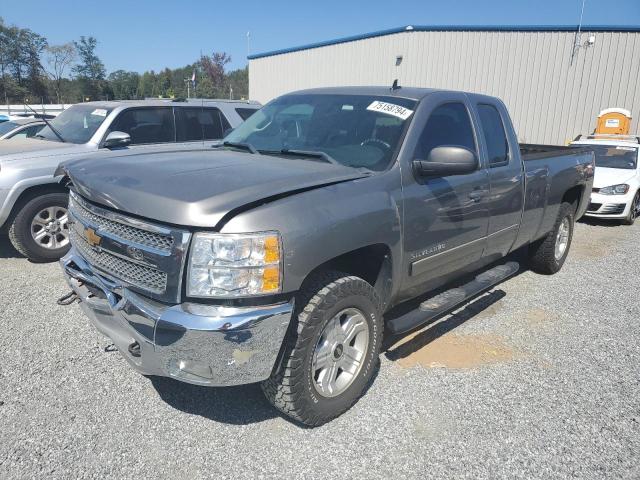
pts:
[395, 85]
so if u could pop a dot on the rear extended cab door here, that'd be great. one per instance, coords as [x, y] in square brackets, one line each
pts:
[500, 147]
[445, 219]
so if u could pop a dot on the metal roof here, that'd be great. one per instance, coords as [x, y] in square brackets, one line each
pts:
[455, 28]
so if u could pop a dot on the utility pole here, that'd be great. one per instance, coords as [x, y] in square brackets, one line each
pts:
[188, 82]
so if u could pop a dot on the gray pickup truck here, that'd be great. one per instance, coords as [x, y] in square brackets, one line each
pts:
[33, 205]
[274, 258]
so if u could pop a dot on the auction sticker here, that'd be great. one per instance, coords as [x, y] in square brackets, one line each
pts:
[390, 109]
[101, 112]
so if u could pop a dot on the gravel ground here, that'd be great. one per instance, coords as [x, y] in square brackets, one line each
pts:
[540, 378]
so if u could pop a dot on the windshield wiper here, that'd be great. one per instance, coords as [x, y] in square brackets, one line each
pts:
[309, 153]
[48, 124]
[243, 146]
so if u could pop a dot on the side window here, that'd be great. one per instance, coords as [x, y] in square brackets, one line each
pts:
[494, 135]
[146, 125]
[448, 124]
[27, 132]
[246, 112]
[33, 129]
[196, 124]
[19, 134]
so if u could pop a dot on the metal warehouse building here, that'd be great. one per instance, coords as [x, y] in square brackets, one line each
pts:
[554, 80]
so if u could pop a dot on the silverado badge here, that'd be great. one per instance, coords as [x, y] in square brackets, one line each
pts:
[92, 237]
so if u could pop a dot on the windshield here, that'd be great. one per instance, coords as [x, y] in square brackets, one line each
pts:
[6, 127]
[610, 156]
[355, 130]
[76, 124]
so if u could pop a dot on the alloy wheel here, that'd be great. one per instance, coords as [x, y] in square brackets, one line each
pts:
[340, 352]
[562, 238]
[50, 228]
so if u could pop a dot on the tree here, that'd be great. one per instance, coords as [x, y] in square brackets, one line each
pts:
[59, 59]
[20, 65]
[124, 84]
[213, 67]
[238, 80]
[90, 71]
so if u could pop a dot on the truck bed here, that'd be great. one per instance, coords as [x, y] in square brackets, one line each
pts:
[533, 151]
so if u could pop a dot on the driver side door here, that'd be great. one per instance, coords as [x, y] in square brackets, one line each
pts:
[445, 218]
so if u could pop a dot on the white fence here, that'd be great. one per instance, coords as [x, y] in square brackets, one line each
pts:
[23, 109]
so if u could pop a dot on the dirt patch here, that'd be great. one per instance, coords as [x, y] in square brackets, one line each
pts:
[596, 243]
[459, 351]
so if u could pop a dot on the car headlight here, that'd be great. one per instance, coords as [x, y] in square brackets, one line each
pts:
[615, 189]
[234, 265]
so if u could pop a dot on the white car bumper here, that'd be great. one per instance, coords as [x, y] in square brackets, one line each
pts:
[610, 206]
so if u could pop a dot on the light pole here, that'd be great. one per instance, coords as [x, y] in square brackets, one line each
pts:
[188, 82]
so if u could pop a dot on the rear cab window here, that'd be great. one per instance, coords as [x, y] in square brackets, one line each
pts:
[494, 135]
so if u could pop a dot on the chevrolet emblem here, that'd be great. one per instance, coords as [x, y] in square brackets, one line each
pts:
[92, 237]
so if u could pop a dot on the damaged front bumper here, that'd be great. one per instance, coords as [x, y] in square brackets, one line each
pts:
[196, 343]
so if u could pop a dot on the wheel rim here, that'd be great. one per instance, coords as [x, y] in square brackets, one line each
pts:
[635, 207]
[50, 228]
[340, 352]
[562, 239]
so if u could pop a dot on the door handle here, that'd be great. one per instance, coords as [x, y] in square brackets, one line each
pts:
[476, 195]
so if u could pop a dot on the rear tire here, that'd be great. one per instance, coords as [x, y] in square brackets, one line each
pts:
[313, 357]
[28, 230]
[633, 211]
[547, 255]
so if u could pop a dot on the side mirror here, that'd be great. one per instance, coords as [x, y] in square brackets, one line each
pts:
[445, 161]
[117, 139]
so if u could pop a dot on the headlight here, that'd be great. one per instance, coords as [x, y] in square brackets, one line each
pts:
[615, 189]
[234, 265]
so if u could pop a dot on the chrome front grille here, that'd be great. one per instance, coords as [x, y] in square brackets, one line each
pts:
[146, 257]
[120, 230]
[139, 275]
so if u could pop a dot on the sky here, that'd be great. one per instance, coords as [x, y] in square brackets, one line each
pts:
[144, 35]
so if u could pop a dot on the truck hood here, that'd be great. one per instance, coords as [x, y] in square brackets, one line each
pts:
[24, 148]
[605, 177]
[197, 189]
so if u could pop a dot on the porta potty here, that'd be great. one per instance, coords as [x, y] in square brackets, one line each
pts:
[614, 121]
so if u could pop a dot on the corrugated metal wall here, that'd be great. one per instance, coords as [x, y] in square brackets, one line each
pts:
[551, 98]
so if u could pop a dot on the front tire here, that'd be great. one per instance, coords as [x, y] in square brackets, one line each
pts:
[40, 228]
[547, 255]
[633, 211]
[331, 355]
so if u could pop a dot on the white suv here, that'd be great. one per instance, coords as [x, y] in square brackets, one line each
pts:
[616, 186]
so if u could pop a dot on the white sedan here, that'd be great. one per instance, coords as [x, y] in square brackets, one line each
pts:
[20, 128]
[616, 186]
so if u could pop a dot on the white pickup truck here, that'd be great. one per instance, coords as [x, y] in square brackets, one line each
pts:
[616, 185]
